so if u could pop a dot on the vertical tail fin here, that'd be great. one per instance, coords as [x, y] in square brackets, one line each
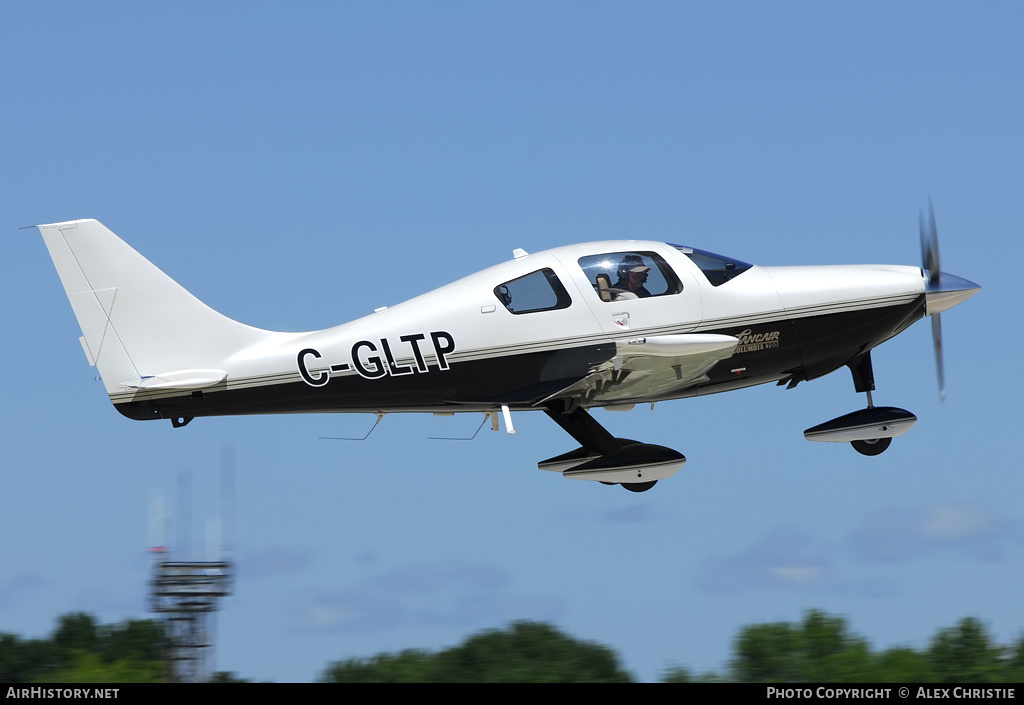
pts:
[137, 322]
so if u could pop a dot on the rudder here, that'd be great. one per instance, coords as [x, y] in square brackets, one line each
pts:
[137, 322]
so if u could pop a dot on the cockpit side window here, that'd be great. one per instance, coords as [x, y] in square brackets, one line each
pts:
[537, 291]
[716, 268]
[618, 276]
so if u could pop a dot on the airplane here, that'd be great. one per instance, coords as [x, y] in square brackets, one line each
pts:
[599, 324]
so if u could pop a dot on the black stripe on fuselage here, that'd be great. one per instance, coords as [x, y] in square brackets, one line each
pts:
[517, 380]
[806, 348]
[801, 348]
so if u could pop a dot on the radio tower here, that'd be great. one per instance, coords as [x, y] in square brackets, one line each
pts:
[186, 593]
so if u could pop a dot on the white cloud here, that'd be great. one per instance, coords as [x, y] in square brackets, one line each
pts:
[899, 534]
[785, 557]
[447, 593]
[951, 522]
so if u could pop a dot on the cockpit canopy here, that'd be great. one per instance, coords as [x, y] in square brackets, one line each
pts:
[716, 268]
[615, 276]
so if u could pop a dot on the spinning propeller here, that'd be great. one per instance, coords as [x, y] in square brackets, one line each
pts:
[942, 290]
[933, 275]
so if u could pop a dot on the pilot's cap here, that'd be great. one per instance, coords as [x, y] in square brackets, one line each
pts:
[631, 264]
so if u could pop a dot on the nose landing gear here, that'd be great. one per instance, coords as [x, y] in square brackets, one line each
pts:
[870, 431]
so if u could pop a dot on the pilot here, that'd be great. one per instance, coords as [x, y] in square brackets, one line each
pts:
[632, 277]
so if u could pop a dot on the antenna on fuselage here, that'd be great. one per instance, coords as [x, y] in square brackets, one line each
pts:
[379, 414]
[487, 415]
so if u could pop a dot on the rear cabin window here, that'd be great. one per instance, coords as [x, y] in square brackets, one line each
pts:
[537, 291]
[619, 276]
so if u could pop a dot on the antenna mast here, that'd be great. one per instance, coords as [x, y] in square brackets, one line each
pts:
[186, 593]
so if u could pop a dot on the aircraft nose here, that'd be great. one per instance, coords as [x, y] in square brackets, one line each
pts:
[946, 291]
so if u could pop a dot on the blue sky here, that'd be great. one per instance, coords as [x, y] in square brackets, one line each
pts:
[298, 167]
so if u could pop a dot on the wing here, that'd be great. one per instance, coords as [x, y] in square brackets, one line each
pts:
[655, 367]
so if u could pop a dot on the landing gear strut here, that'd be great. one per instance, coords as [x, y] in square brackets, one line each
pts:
[871, 446]
[605, 458]
[864, 381]
[870, 431]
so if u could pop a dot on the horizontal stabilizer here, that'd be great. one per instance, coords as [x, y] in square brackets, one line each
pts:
[183, 379]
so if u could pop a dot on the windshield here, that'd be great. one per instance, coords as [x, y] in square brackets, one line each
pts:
[716, 268]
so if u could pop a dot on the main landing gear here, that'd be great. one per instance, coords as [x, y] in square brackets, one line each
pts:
[870, 431]
[606, 459]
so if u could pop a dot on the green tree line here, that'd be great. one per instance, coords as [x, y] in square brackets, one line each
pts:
[81, 651]
[820, 648]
